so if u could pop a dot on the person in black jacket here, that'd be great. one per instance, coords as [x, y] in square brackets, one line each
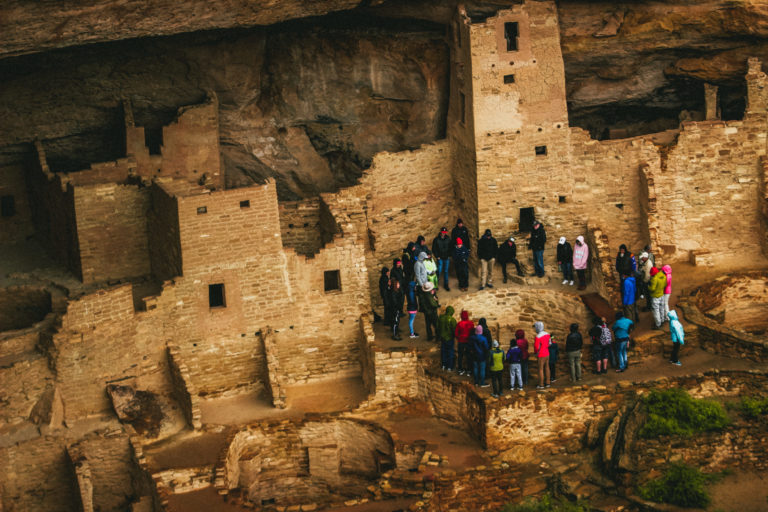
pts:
[565, 259]
[460, 263]
[396, 300]
[487, 247]
[442, 248]
[573, 345]
[460, 231]
[429, 305]
[421, 246]
[385, 296]
[398, 272]
[624, 262]
[508, 254]
[536, 243]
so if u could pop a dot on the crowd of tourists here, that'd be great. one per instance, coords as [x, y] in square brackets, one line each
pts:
[410, 286]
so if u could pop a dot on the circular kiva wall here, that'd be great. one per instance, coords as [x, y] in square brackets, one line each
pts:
[739, 302]
[22, 306]
[290, 463]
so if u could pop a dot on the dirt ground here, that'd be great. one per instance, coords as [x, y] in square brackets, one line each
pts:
[742, 491]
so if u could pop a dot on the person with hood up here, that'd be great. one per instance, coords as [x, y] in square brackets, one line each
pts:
[536, 243]
[541, 349]
[515, 360]
[522, 342]
[644, 272]
[446, 331]
[429, 306]
[408, 259]
[397, 272]
[420, 270]
[580, 260]
[677, 333]
[480, 352]
[385, 298]
[629, 297]
[565, 260]
[573, 344]
[667, 290]
[624, 262]
[496, 362]
[397, 297]
[486, 330]
[460, 231]
[508, 254]
[431, 267]
[412, 306]
[442, 249]
[621, 329]
[487, 247]
[461, 263]
[656, 291]
[464, 330]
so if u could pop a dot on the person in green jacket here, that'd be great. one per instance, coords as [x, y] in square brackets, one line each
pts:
[656, 290]
[496, 364]
[446, 329]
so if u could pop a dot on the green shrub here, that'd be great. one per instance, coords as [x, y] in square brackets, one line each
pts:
[753, 408]
[546, 503]
[674, 412]
[680, 485]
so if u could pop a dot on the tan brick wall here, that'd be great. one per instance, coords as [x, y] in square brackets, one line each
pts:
[300, 225]
[112, 231]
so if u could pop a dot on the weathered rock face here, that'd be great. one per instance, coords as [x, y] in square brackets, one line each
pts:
[309, 104]
[311, 101]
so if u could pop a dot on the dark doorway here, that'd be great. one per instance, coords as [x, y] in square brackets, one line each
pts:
[527, 217]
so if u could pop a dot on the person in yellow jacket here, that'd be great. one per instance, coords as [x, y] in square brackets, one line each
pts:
[656, 290]
[496, 362]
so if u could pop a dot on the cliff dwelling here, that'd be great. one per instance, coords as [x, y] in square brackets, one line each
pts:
[210, 256]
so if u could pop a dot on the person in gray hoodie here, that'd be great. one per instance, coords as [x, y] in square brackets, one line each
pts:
[419, 270]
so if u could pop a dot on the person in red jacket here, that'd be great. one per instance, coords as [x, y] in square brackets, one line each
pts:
[541, 349]
[523, 344]
[464, 329]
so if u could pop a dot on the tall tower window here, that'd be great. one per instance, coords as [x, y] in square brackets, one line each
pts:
[463, 106]
[511, 33]
[216, 297]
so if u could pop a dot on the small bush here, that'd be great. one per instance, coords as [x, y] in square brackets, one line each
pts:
[753, 408]
[680, 485]
[674, 412]
[546, 503]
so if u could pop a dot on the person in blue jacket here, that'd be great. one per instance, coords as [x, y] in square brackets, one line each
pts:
[480, 351]
[629, 298]
[621, 329]
[678, 337]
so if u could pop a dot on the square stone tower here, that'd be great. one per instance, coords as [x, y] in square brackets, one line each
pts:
[508, 120]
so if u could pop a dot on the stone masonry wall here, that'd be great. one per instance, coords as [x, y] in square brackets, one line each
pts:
[112, 231]
[163, 235]
[300, 225]
[714, 163]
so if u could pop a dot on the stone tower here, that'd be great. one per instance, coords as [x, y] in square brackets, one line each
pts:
[508, 119]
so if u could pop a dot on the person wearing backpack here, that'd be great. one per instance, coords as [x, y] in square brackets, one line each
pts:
[496, 362]
[514, 360]
[601, 344]
[541, 349]
[480, 353]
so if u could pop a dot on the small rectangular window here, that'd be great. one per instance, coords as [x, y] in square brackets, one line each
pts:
[541, 150]
[332, 280]
[526, 219]
[7, 206]
[511, 32]
[463, 106]
[216, 298]
[509, 79]
[561, 199]
[201, 210]
[245, 204]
